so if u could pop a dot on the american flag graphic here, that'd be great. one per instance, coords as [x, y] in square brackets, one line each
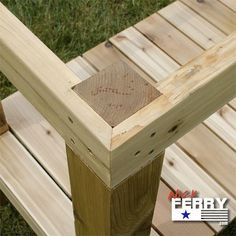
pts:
[215, 215]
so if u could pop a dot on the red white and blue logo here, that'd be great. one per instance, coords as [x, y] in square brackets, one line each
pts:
[188, 207]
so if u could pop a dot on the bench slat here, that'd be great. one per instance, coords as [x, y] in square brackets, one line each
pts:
[193, 25]
[38, 199]
[144, 53]
[215, 12]
[168, 38]
[230, 3]
[213, 155]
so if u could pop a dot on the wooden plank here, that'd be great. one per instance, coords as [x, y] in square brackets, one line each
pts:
[189, 97]
[3, 123]
[81, 68]
[223, 124]
[190, 23]
[34, 194]
[214, 156]
[162, 218]
[144, 53]
[182, 173]
[230, 3]
[32, 130]
[216, 13]
[22, 54]
[116, 92]
[105, 54]
[169, 39]
[232, 103]
[229, 115]
[125, 210]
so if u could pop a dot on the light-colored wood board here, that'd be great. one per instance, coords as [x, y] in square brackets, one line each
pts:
[169, 39]
[215, 12]
[116, 92]
[144, 53]
[39, 129]
[34, 194]
[193, 25]
[32, 129]
[153, 233]
[125, 210]
[229, 115]
[162, 218]
[232, 103]
[81, 68]
[182, 173]
[223, 124]
[56, 122]
[22, 54]
[190, 95]
[3, 123]
[230, 3]
[106, 54]
[213, 155]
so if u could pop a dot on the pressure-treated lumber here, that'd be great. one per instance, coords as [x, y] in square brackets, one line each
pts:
[193, 25]
[169, 39]
[215, 12]
[188, 96]
[230, 3]
[126, 209]
[34, 194]
[116, 93]
[49, 90]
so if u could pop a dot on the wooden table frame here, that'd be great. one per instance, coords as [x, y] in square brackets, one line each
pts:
[114, 160]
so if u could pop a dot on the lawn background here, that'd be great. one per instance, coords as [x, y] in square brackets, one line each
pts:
[69, 28]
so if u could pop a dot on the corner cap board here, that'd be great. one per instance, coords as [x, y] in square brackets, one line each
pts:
[158, 118]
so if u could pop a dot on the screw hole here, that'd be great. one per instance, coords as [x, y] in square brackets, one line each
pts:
[137, 153]
[153, 134]
[71, 121]
[90, 152]
[151, 152]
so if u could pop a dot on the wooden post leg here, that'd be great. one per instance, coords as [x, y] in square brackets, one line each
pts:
[126, 209]
[3, 129]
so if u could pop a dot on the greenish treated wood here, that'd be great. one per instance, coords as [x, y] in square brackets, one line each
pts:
[124, 210]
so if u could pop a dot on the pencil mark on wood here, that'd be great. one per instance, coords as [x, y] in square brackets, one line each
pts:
[116, 93]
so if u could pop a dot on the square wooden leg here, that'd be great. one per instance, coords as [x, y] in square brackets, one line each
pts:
[126, 209]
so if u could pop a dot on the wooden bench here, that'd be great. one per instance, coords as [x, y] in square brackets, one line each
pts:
[118, 107]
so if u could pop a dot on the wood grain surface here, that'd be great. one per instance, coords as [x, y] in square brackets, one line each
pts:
[124, 210]
[116, 93]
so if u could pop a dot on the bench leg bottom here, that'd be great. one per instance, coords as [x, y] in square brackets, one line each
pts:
[126, 209]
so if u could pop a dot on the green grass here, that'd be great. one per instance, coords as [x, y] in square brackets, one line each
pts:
[69, 28]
